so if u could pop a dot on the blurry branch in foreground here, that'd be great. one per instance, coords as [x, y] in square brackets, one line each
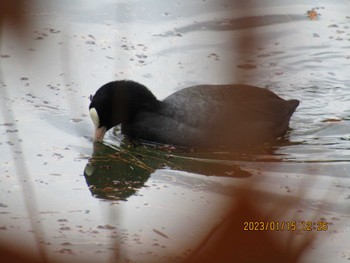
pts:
[17, 255]
[227, 242]
[13, 14]
[231, 242]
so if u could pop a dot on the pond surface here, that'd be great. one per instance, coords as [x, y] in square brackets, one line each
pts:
[158, 203]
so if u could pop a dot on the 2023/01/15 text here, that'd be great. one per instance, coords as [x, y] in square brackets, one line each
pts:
[285, 226]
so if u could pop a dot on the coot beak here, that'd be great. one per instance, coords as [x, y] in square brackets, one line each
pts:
[99, 133]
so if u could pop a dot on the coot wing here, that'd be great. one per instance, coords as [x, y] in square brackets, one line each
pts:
[221, 105]
[214, 116]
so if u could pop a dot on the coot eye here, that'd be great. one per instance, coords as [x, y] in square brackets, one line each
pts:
[91, 97]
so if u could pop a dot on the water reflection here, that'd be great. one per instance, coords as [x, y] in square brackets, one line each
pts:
[235, 24]
[116, 172]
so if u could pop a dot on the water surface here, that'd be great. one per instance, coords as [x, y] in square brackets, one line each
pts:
[159, 203]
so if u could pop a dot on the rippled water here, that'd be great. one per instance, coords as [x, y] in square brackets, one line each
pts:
[158, 201]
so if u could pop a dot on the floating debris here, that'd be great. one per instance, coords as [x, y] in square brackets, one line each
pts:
[53, 31]
[331, 120]
[312, 14]
[107, 227]
[76, 120]
[160, 233]
[213, 56]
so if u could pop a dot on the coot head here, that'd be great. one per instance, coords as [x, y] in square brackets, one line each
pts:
[117, 102]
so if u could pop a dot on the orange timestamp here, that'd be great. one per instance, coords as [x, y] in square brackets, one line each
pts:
[285, 225]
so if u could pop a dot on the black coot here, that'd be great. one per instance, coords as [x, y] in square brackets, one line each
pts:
[200, 116]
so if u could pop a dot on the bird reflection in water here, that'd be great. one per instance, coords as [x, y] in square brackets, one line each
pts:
[117, 172]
